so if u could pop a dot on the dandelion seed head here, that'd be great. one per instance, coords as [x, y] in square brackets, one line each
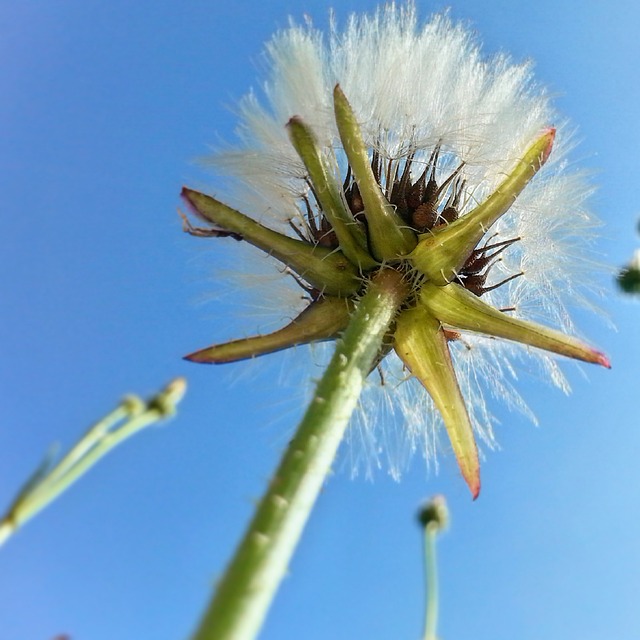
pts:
[420, 89]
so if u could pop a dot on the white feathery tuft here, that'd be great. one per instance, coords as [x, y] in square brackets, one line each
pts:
[413, 86]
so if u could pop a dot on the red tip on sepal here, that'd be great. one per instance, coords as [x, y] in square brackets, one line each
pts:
[200, 357]
[550, 134]
[602, 359]
[475, 488]
[421, 344]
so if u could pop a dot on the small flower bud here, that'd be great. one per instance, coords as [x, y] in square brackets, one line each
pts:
[629, 277]
[434, 514]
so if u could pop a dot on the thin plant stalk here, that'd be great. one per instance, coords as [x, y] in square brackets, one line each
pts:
[50, 480]
[431, 578]
[433, 518]
[250, 582]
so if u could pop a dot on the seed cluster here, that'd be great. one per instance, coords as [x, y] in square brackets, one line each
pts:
[423, 205]
[382, 226]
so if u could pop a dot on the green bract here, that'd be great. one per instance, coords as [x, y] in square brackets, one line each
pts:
[381, 219]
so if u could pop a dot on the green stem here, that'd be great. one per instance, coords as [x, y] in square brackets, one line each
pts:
[431, 576]
[58, 482]
[48, 481]
[250, 582]
[130, 406]
[6, 529]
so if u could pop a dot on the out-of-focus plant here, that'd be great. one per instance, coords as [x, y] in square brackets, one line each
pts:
[433, 517]
[51, 479]
[629, 276]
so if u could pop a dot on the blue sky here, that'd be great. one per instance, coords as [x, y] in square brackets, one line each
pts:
[105, 108]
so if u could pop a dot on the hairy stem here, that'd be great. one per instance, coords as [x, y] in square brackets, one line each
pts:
[250, 582]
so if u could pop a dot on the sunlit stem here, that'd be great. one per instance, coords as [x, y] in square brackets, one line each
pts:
[326, 270]
[434, 518]
[441, 253]
[250, 581]
[389, 236]
[431, 580]
[351, 238]
[48, 481]
[321, 320]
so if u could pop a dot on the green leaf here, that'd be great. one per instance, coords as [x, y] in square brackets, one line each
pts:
[421, 344]
[323, 319]
[455, 306]
[351, 237]
[441, 253]
[327, 271]
[389, 236]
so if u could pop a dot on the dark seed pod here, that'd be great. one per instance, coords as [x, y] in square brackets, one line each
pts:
[475, 283]
[416, 191]
[424, 217]
[354, 199]
[449, 214]
[328, 239]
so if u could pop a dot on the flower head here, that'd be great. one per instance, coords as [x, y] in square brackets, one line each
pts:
[629, 276]
[394, 146]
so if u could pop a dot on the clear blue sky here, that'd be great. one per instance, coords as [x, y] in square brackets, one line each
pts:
[104, 107]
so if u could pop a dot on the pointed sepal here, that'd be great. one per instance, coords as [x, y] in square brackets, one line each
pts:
[325, 270]
[389, 236]
[441, 253]
[323, 319]
[455, 306]
[351, 237]
[421, 344]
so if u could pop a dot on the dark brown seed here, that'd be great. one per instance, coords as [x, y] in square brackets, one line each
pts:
[424, 217]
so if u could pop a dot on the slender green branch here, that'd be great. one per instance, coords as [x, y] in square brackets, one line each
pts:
[250, 582]
[431, 578]
[49, 480]
[433, 517]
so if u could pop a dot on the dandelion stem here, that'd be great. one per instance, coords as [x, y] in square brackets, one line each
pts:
[434, 518]
[250, 582]
[431, 579]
